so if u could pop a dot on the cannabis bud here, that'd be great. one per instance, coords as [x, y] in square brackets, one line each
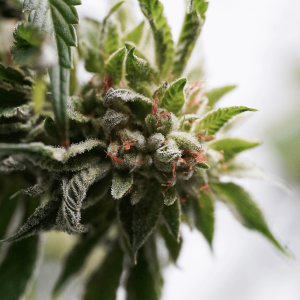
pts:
[123, 159]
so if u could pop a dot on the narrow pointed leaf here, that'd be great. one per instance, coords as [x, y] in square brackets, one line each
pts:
[172, 218]
[172, 245]
[204, 215]
[114, 65]
[214, 120]
[216, 94]
[153, 11]
[231, 147]
[78, 256]
[121, 183]
[190, 32]
[145, 280]
[136, 34]
[112, 42]
[247, 211]
[104, 283]
[13, 279]
[174, 97]
[132, 217]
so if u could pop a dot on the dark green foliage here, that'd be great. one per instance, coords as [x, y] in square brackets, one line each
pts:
[122, 162]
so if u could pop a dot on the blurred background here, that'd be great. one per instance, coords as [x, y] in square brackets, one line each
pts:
[254, 44]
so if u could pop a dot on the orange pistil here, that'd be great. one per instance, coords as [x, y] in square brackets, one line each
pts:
[183, 200]
[198, 155]
[127, 144]
[195, 85]
[170, 76]
[154, 79]
[163, 115]
[139, 162]
[206, 188]
[128, 192]
[114, 151]
[107, 83]
[114, 158]
[155, 105]
[168, 185]
[112, 143]
[92, 79]
[206, 137]
[174, 164]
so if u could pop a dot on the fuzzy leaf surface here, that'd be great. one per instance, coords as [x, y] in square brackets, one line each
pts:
[114, 65]
[245, 209]
[172, 217]
[138, 221]
[231, 147]
[12, 75]
[121, 183]
[214, 120]
[174, 97]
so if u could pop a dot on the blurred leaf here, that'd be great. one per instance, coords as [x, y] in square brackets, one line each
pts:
[121, 183]
[174, 97]
[153, 11]
[172, 245]
[216, 94]
[204, 215]
[112, 42]
[231, 146]
[78, 256]
[145, 280]
[214, 120]
[104, 283]
[172, 217]
[13, 278]
[244, 209]
[13, 75]
[190, 32]
[114, 65]
[136, 34]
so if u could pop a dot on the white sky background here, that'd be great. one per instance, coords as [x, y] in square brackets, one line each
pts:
[256, 45]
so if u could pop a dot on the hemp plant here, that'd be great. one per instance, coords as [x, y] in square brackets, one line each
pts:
[119, 161]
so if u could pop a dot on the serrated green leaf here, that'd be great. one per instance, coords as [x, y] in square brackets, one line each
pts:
[231, 147]
[121, 183]
[55, 158]
[74, 192]
[108, 275]
[245, 209]
[22, 112]
[172, 217]
[13, 75]
[13, 279]
[174, 97]
[138, 72]
[77, 256]
[214, 120]
[139, 105]
[204, 215]
[112, 42]
[114, 65]
[42, 219]
[32, 48]
[136, 34]
[172, 245]
[153, 11]
[216, 94]
[56, 18]
[132, 217]
[190, 32]
[137, 52]
[145, 280]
